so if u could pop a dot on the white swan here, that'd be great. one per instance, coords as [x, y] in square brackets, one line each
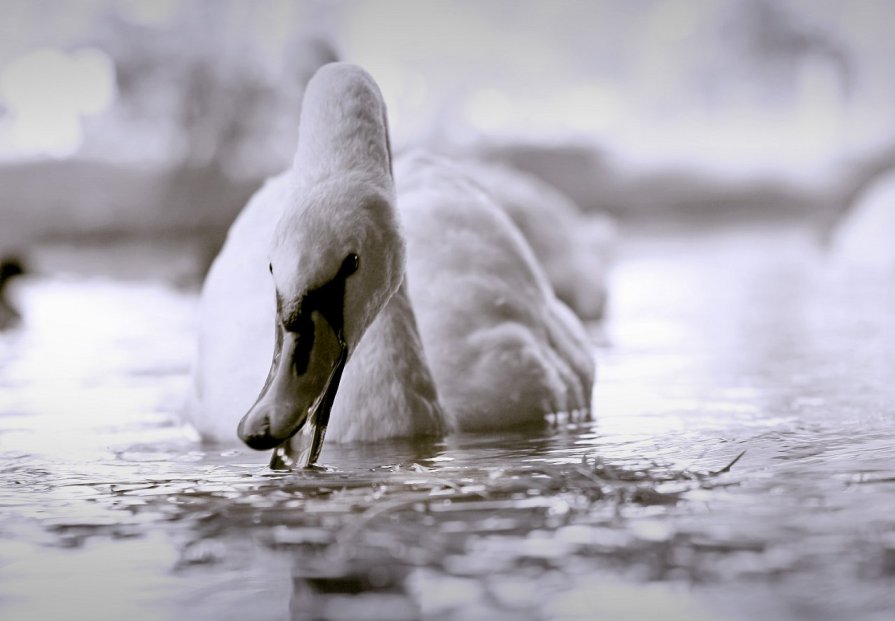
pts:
[381, 324]
[865, 238]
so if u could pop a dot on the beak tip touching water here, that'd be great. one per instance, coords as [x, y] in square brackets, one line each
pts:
[257, 437]
[298, 395]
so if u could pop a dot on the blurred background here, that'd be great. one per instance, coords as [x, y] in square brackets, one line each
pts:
[130, 121]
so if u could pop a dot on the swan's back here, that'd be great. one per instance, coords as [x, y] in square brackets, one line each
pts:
[502, 348]
[574, 249]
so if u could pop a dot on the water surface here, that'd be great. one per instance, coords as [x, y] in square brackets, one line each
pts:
[724, 345]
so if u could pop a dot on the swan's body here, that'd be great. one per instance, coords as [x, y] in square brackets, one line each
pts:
[574, 249]
[473, 338]
[503, 349]
[865, 238]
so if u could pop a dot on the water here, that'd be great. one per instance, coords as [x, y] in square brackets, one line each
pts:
[718, 345]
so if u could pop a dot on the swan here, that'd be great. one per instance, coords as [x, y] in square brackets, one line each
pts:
[394, 298]
[9, 269]
[574, 249]
[865, 237]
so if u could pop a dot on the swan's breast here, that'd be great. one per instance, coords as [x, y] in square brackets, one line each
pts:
[236, 319]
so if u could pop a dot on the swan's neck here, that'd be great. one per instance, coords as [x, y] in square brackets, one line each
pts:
[394, 393]
[343, 128]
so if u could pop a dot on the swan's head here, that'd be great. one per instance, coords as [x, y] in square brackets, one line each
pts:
[335, 260]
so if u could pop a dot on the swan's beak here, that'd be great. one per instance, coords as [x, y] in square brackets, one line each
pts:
[292, 411]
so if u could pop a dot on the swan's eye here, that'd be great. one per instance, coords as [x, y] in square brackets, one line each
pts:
[350, 264]
[270, 267]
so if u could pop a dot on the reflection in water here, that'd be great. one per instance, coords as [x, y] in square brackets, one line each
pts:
[727, 344]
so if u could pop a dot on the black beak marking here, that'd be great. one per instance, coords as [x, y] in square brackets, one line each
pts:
[328, 300]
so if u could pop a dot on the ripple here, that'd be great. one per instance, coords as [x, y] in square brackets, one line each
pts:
[741, 454]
